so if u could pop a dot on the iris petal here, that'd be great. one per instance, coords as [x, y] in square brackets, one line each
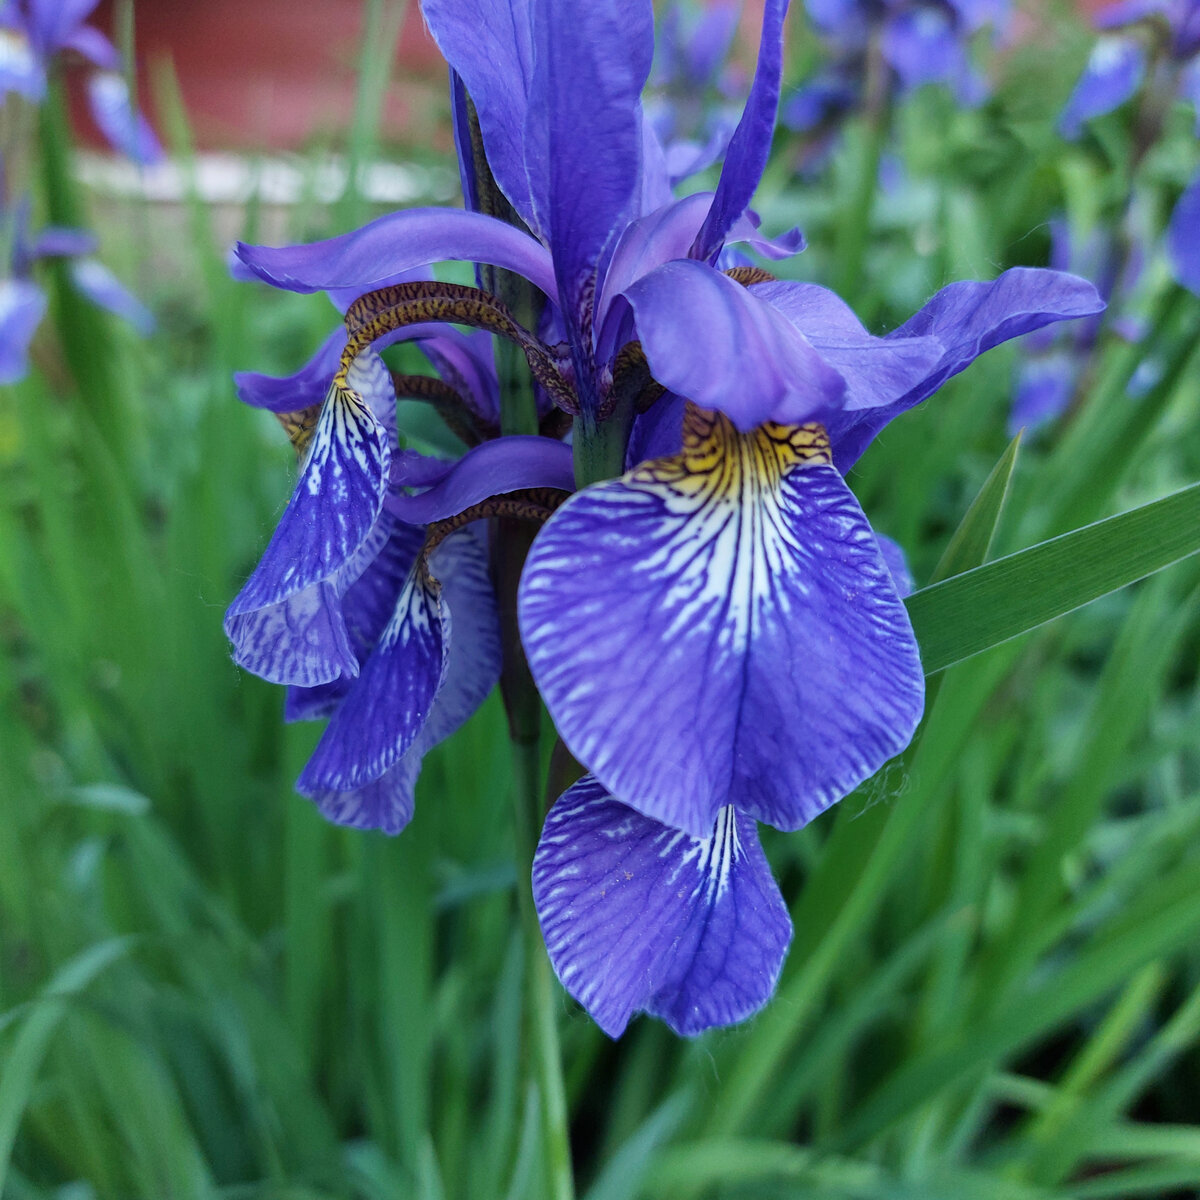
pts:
[744, 640]
[638, 916]
[391, 709]
[333, 511]
[1183, 242]
[751, 143]
[397, 243]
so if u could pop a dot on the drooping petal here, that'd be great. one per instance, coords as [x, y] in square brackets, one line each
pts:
[22, 306]
[507, 464]
[967, 319]
[712, 340]
[639, 917]
[396, 706]
[334, 509]
[491, 49]
[1183, 237]
[364, 611]
[751, 142]
[94, 46]
[399, 242]
[1113, 73]
[744, 642]
[127, 131]
[104, 289]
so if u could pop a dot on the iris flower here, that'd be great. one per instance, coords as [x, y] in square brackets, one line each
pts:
[919, 41]
[1155, 42]
[22, 301]
[716, 632]
[34, 32]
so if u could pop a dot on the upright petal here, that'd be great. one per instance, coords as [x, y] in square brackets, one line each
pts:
[414, 690]
[719, 628]
[714, 341]
[396, 243]
[967, 319]
[751, 142]
[638, 916]
[1113, 73]
[490, 46]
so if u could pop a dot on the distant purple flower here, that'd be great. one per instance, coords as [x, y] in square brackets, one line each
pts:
[1156, 44]
[33, 32]
[1055, 359]
[718, 633]
[920, 41]
[22, 302]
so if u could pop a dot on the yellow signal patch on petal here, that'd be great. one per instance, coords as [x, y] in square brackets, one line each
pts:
[719, 462]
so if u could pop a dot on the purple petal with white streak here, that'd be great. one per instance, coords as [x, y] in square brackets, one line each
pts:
[638, 916]
[744, 641]
[336, 503]
[435, 662]
[397, 243]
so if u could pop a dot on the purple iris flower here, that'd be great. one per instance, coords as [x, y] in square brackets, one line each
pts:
[1154, 43]
[718, 633]
[22, 301]
[33, 32]
[920, 42]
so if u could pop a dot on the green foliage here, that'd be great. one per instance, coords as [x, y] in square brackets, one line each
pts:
[994, 991]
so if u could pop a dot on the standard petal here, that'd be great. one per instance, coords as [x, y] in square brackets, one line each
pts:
[714, 341]
[491, 48]
[336, 503]
[751, 142]
[969, 318]
[507, 464]
[583, 143]
[397, 243]
[639, 917]
[1183, 237]
[1113, 73]
[719, 627]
